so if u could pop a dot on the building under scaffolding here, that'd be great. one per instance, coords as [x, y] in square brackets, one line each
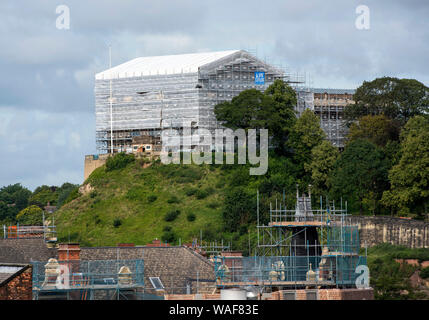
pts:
[145, 95]
[298, 248]
[329, 105]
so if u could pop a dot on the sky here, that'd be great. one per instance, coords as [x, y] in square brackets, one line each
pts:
[47, 119]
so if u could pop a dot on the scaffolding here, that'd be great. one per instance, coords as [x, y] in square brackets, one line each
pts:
[47, 232]
[329, 106]
[299, 247]
[88, 279]
[154, 100]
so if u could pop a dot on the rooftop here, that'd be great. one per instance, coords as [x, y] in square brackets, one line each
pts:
[169, 64]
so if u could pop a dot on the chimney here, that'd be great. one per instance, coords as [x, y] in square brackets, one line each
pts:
[68, 251]
[126, 245]
[69, 255]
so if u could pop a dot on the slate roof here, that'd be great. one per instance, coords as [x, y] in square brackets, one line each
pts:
[9, 271]
[175, 266]
[25, 250]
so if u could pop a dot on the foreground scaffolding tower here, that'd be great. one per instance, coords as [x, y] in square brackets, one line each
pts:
[299, 248]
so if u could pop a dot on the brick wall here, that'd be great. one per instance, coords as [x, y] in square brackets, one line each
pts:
[18, 288]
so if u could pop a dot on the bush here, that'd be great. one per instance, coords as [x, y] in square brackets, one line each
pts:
[425, 273]
[172, 215]
[169, 236]
[152, 198]
[117, 223]
[201, 194]
[119, 161]
[173, 199]
[167, 229]
[32, 215]
[213, 205]
[191, 217]
[93, 194]
[190, 191]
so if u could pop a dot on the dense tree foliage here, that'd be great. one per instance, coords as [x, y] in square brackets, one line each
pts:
[323, 158]
[398, 99]
[410, 177]
[305, 135]
[361, 173]
[252, 109]
[378, 129]
[31, 216]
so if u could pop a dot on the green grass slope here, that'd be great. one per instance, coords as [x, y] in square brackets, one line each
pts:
[130, 205]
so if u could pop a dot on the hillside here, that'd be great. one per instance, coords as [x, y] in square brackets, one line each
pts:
[131, 204]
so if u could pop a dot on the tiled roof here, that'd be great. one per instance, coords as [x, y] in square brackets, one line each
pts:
[25, 250]
[9, 270]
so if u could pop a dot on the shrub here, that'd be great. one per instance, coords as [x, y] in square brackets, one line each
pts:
[167, 228]
[169, 236]
[117, 223]
[119, 161]
[173, 199]
[152, 198]
[425, 273]
[242, 230]
[191, 217]
[32, 215]
[213, 205]
[172, 215]
[201, 194]
[190, 191]
[93, 194]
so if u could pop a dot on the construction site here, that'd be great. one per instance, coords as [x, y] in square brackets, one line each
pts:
[305, 252]
[146, 95]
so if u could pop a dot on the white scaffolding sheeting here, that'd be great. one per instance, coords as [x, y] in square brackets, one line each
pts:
[154, 93]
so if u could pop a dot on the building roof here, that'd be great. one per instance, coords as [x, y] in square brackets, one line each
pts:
[9, 271]
[334, 91]
[169, 64]
[175, 266]
[25, 250]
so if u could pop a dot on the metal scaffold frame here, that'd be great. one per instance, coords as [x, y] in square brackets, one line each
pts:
[88, 279]
[148, 103]
[298, 247]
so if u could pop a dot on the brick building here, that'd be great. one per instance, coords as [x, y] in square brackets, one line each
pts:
[15, 281]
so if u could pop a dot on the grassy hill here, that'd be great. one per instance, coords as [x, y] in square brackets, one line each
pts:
[131, 205]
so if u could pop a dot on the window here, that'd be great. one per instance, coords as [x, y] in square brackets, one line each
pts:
[147, 147]
[289, 295]
[156, 283]
[311, 295]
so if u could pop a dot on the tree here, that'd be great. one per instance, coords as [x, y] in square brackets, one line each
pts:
[32, 215]
[252, 109]
[361, 173]
[13, 198]
[44, 195]
[284, 115]
[409, 178]
[378, 129]
[239, 208]
[305, 135]
[398, 99]
[323, 158]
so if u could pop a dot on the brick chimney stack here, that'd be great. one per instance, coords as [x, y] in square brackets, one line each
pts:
[68, 251]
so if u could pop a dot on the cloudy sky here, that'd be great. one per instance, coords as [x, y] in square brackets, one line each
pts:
[47, 121]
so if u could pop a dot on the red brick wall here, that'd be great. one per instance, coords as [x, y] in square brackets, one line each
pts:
[19, 288]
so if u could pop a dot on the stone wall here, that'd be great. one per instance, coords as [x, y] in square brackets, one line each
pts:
[19, 287]
[396, 231]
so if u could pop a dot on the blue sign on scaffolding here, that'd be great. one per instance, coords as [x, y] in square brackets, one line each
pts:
[259, 77]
